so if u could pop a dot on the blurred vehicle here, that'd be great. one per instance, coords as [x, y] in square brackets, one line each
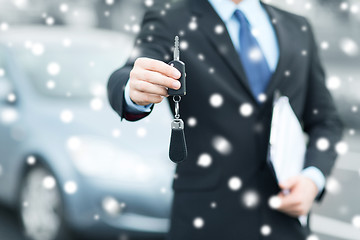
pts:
[66, 162]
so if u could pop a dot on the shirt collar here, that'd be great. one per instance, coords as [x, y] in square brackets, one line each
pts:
[226, 8]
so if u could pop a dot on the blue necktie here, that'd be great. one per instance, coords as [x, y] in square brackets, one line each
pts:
[253, 60]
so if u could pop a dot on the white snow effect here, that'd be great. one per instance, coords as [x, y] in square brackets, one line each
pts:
[1, 170]
[2, 72]
[333, 82]
[37, 49]
[98, 90]
[70, 187]
[354, 9]
[96, 104]
[354, 108]
[262, 97]
[66, 116]
[274, 202]
[234, 183]
[111, 206]
[324, 45]
[116, 133]
[198, 222]
[4, 26]
[246, 109]
[64, 7]
[96, 217]
[332, 185]
[66, 42]
[50, 84]
[8, 115]
[308, 6]
[352, 132]
[53, 68]
[356, 221]
[216, 100]
[49, 182]
[213, 204]
[211, 70]
[312, 237]
[204, 160]
[265, 230]
[304, 28]
[184, 45]
[255, 54]
[304, 52]
[11, 97]
[31, 160]
[201, 57]
[344, 6]
[73, 143]
[287, 73]
[163, 190]
[222, 145]
[149, 3]
[289, 2]
[50, 21]
[219, 29]
[255, 32]
[349, 47]
[135, 28]
[250, 199]
[109, 2]
[192, 121]
[141, 132]
[322, 144]
[341, 148]
[193, 25]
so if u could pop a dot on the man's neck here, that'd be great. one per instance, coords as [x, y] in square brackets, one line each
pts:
[237, 1]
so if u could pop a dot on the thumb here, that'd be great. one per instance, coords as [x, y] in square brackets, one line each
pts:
[289, 183]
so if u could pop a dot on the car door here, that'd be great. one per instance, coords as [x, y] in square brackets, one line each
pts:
[9, 116]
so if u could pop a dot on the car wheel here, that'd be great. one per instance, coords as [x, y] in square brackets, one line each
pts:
[41, 206]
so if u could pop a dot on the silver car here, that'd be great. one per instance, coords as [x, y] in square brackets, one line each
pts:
[67, 163]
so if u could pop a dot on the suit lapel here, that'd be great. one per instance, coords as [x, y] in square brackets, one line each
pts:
[284, 43]
[215, 30]
[209, 19]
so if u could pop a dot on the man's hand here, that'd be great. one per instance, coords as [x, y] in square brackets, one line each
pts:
[302, 192]
[150, 79]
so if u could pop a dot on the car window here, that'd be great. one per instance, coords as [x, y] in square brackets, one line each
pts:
[77, 71]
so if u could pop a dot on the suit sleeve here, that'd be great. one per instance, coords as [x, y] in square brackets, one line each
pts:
[154, 41]
[321, 119]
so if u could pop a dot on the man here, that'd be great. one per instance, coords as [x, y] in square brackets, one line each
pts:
[237, 53]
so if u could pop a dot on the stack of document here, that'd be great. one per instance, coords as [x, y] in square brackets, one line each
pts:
[287, 144]
[287, 141]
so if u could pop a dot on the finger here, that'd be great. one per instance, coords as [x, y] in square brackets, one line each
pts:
[158, 78]
[158, 66]
[150, 88]
[145, 98]
[289, 184]
[288, 202]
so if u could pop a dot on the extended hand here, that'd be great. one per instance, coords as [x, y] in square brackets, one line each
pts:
[150, 79]
[302, 192]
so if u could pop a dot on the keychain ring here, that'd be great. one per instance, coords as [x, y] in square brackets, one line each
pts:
[174, 98]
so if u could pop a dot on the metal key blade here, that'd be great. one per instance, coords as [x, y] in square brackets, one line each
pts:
[176, 49]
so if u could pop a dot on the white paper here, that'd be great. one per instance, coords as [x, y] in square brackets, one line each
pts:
[287, 141]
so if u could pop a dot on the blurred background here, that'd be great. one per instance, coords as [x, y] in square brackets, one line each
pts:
[68, 167]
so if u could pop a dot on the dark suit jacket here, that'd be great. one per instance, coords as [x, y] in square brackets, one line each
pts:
[221, 72]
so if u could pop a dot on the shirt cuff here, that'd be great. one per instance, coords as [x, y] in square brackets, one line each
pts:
[132, 107]
[316, 176]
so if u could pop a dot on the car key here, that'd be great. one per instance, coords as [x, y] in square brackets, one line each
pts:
[178, 149]
[179, 65]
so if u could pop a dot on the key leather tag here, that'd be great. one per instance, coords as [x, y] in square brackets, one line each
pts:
[177, 149]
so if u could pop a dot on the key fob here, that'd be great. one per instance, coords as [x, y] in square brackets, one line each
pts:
[179, 65]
